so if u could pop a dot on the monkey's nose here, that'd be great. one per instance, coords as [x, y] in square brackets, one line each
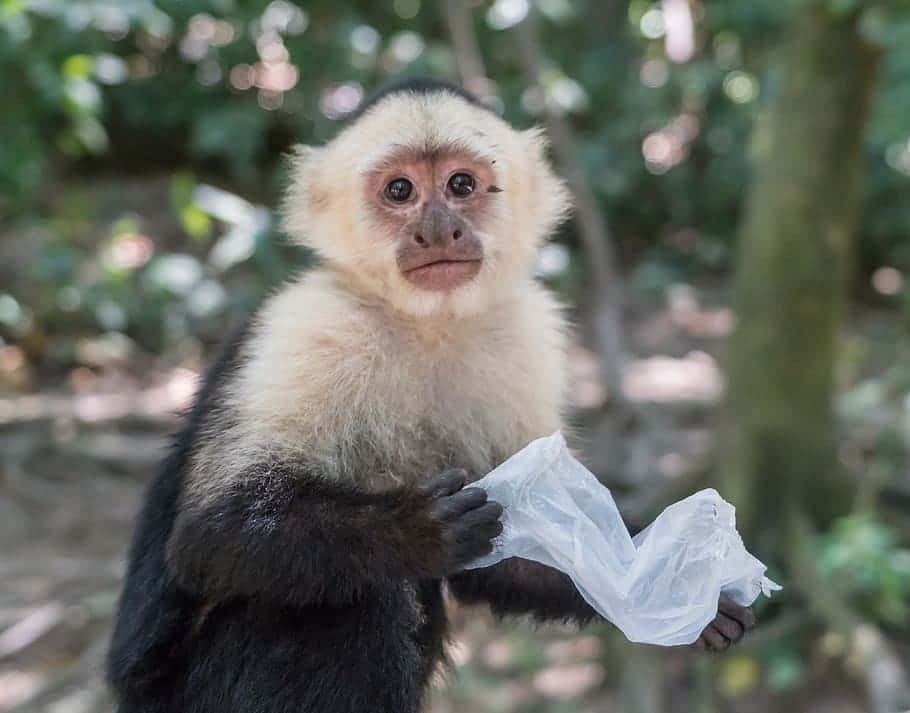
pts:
[437, 237]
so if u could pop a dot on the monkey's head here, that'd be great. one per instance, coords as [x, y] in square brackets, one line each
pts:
[427, 200]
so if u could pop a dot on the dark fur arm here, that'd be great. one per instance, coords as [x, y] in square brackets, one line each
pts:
[299, 540]
[519, 586]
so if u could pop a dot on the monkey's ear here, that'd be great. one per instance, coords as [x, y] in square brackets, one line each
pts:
[552, 200]
[304, 196]
[301, 160]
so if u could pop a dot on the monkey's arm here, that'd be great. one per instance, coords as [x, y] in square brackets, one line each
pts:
[297, 539]
[520, 586]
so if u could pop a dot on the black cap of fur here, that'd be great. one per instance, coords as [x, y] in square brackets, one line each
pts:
[416, 85]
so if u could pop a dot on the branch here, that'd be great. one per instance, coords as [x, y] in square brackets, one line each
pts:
[596, 239]
[595, 236]
[465, 45]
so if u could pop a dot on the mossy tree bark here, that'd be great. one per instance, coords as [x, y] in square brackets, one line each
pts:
[792, 275]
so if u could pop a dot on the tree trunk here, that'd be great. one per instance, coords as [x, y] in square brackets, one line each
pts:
[792, 274]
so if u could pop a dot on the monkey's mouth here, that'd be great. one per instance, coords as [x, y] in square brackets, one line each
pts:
[443, 275]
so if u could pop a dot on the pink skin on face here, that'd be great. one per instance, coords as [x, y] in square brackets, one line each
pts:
[438, 249]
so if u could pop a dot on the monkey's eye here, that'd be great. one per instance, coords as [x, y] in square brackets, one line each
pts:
[399, 190]
[462, 184]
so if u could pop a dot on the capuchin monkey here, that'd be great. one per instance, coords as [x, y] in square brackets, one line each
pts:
[293, 550]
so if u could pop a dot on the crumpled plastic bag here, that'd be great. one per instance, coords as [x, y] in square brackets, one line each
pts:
[660, 587]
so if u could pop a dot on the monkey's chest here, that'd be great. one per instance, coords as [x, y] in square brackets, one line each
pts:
[428, 426]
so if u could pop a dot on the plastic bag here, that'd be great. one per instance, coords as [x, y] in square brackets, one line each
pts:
[660, 587]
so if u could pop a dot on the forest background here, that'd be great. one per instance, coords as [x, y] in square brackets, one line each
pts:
[737, 272]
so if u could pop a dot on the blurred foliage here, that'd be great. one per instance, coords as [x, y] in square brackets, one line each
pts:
[221, 88]
[861, 556]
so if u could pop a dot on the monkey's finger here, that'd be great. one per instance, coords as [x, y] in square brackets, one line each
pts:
[446, 483]
[701, 644]
[454, 506]
[739, 613]
[488, 530]
[473, 531]
[488, 512]
[715, 640]
[729, 627]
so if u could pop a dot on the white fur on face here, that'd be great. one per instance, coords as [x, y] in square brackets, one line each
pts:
[324, 208]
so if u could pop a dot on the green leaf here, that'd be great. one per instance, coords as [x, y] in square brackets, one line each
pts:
[8, 8]
[78, 65]
[183, 184]
[195, 221]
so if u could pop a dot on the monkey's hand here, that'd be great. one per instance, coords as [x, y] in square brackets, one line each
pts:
[729, 626]
[301, 539]
[467, 519]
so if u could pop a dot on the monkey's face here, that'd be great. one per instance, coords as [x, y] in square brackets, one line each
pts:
[435, 206]
[427, 202]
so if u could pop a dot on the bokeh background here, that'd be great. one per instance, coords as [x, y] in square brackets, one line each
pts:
[737, 271]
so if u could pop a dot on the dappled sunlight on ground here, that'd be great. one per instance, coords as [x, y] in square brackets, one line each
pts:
[167, 395]
[660, 379]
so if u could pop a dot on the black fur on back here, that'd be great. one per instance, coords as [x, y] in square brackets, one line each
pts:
[415, 85]
[153, 612]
